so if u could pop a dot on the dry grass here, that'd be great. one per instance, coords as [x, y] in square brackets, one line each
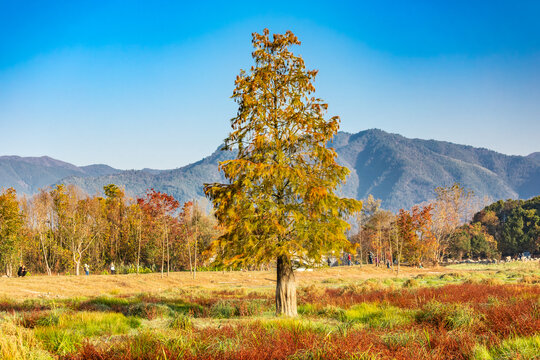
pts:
[42, 286]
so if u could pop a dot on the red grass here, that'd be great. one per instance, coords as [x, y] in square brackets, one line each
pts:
[256, 342]
[416, 298]
[516, 311]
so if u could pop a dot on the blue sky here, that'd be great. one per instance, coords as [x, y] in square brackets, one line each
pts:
[138, 84]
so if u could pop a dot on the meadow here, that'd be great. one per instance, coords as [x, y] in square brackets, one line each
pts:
[467, 311]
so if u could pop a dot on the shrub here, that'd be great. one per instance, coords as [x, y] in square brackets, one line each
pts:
[39, 318]
[530, 279]
[492, 281]
[149, 311]
[224, 310]
[106, 304]
[376, 315]
[311, 292]
[180, 322]
[449, 316]
[409, 283]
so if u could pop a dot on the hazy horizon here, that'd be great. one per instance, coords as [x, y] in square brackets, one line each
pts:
[210, 151]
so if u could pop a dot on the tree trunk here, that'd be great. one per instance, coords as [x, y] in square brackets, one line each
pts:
[168, 253]
[285, 288]
[195, 252]
[139, 246]
[189, 254]
[77, 264]
[44, 254]
[162, 255]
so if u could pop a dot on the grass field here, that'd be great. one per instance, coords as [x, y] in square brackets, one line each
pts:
[454, 312]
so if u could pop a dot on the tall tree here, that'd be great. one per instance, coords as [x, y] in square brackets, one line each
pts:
[40, 219]
[79, 221]
[379, 230]
[117, 226]
[417, 240]
[197, 231]
[362, 238]
[161, 207]
[280, 202]
[453, 207]
[11, 223]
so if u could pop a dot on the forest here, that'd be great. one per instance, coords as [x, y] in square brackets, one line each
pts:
[59, 230]
[450, 228]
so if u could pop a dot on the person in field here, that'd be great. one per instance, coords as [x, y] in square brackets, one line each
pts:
[86, 269]
[22, 271]
[113, 269]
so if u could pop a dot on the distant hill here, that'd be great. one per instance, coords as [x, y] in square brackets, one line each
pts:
[534, 156]
[184, 183]
[403, 172]
[400, 171]
[28, 174]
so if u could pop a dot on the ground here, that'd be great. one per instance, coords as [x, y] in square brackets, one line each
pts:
[95, 285]
[455, 312]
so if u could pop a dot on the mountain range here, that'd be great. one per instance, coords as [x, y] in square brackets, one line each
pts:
[398, 170]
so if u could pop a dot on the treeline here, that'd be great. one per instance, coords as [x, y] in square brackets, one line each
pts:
[447, 228]
[59, 230]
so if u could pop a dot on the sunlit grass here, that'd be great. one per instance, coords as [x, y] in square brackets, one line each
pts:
[377, 316]
[527, 348]
[18, 343]
[73, 328]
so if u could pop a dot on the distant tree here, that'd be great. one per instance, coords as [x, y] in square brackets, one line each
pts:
[280, 202]
[515, 225]
[135, 219]
[417, 240]
[379, 229]
[79, 221]
[452, 208]
[11, 223]
[473, 241]
[198, 230]
[40, 220]
[361, 239]
[117, 229]
[161, 208]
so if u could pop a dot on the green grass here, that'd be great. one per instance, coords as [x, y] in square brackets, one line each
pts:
[373, 315]
[450, 316]
[298, 325]
[523, 348]
[73, 328]
[19, 343]
[181, 322]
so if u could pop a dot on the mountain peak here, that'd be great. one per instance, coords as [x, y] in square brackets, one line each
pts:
[400, 171]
